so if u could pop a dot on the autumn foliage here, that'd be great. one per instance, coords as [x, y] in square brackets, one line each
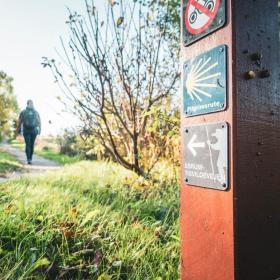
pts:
[123, 76]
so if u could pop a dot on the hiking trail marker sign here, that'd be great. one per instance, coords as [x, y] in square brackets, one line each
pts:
[230, 179]
[202, 17]
[204, 82]
[206, 155]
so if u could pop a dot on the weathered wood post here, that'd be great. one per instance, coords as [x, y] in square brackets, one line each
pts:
[230, 186]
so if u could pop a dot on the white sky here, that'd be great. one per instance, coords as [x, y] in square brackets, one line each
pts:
[29, 30]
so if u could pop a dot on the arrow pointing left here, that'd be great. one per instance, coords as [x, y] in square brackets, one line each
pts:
[192, 145]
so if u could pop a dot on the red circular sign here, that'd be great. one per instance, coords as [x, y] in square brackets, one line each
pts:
[200, 14]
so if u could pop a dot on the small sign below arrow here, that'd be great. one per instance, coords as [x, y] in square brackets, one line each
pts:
[192, 145]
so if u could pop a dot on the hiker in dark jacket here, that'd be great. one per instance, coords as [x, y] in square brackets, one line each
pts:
[29, 120]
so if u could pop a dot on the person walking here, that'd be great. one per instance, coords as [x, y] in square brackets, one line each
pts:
[29, 121]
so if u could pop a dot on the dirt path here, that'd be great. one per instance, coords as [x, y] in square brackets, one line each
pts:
[39, 166]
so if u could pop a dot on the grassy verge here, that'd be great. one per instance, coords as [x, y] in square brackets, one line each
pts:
[89, 220]
[59, 158]
[17, 144]
[49, 152]
[8, 163]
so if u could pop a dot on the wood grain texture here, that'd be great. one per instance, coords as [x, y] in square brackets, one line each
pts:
[257, 191]
[207, 215]
[236, 234]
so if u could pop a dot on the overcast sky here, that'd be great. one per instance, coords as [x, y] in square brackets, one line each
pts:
[29, 30]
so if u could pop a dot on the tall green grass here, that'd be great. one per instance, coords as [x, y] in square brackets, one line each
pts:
[90, 220]
[8, 163]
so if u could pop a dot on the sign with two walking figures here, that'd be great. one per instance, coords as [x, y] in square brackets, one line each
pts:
[206, 155]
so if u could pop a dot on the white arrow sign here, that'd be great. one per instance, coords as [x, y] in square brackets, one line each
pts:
[192, 145]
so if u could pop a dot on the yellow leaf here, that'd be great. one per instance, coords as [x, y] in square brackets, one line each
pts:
[120, 21]
[104, 276]
[41, 262]
[40, 218]
[68, 234]
[150, 16]
[73, 213]
[89, 216]
[112, 2]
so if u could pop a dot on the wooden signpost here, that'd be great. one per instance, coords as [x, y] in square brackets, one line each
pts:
[230, 182]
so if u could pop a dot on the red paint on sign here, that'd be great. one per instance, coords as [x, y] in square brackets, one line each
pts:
[198, 16]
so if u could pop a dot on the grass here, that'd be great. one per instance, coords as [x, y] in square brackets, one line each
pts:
[59, 158]
[8, 163]
[48, 150]
[90, 220]
[17, 144]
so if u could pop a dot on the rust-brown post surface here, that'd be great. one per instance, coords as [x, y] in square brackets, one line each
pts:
[230, 230]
